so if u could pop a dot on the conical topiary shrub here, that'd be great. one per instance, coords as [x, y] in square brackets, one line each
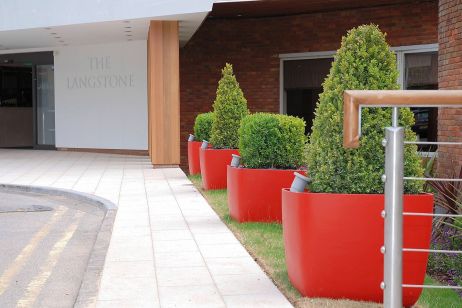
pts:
[230, 107]
[363, 62]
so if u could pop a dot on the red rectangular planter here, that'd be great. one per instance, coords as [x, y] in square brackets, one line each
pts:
[255, 194]
[213, 167]
[193, 157]
[332, 244]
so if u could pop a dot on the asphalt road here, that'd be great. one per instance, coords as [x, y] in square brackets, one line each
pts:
[45, 244]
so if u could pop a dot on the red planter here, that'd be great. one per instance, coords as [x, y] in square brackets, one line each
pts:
[255, 194]
[213, 167]
[193, 157]
[332, 244]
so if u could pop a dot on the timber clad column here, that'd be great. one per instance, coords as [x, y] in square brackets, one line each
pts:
[164, 93]
[449, 77]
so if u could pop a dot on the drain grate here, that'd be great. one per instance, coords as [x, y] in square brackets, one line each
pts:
[23, 208]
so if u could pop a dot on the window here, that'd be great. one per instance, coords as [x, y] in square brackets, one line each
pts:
[418, 67]
[302, 85]
[303, 73]
[421, 73]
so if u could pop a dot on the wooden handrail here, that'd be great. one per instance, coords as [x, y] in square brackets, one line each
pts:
[353, 100]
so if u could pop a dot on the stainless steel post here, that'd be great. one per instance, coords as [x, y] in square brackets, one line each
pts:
[394, 116]
[394, 182]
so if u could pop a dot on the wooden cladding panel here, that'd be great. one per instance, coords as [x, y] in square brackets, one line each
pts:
[164, 93]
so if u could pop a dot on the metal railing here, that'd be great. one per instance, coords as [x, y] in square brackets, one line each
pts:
[394, 177]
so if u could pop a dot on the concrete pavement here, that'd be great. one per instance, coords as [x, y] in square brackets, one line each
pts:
[168, 247]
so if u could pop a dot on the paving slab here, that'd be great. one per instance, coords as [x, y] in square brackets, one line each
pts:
[168, 247]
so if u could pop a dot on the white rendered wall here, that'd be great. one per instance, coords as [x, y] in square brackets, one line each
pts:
[101, 96]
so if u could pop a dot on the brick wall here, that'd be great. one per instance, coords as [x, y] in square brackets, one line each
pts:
[449, 77]
[253, 46]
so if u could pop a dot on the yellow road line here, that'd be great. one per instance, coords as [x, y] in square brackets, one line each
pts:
[36, 284]
[27, 251]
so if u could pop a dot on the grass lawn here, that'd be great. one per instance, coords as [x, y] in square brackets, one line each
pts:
[264, 242]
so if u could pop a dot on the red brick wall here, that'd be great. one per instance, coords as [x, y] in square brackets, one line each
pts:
[253, 46]
[449, 77]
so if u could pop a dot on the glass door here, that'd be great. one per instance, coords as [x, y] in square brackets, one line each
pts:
[45, 105]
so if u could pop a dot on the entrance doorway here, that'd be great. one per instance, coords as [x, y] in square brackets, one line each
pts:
[27, 115]
[16, 112]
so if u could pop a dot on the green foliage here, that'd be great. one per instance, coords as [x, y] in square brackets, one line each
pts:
[230, 107]
[364, 61]
[434, 298]
[447, 267]
[271, 141]
[203, 126]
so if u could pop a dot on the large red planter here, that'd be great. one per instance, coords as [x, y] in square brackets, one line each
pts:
[332, 244]
[213, 167]
[255, 194]
[193, 157]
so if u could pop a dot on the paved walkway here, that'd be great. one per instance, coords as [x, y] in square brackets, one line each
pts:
[168, 247]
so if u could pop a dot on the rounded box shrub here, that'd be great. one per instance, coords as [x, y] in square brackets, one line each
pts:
[203, 126]
[272, 141]
[230, 107]
[363, 62]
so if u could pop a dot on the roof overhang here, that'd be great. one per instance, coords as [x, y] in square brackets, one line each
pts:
[53, 23]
